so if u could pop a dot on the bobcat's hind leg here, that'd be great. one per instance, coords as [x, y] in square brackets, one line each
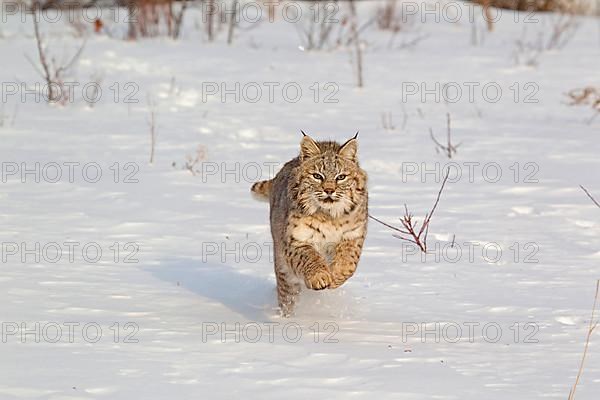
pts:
[288, 286]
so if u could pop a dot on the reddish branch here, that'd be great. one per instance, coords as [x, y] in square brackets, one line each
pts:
[410, 231]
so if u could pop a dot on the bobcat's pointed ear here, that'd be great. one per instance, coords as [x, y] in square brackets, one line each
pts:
[349, 149]
[308, 147]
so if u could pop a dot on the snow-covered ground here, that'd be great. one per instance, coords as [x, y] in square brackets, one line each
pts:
[181, 303]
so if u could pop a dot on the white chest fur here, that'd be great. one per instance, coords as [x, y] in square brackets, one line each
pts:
[325, 235]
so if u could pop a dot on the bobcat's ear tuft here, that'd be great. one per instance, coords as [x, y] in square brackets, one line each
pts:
[349, 149]
[308, 148]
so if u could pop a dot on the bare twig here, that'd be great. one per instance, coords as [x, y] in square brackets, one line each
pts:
[232, 22]
[131, 26]
[409, 229]
[528, 50]
[52, 73]
[488, 15]
[592, 327]
[355, 38]
[404, 116]
[192, 162]
[152, 125]
[387, 122]
[63, 68]
[210, 24]
[590, 196]
[316, 31]
[407, 44]
[586, 96]
[449, 148]
[42, 56]
[562, 31]
[179, 19]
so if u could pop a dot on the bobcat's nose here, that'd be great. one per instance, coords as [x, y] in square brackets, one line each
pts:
[329, 191]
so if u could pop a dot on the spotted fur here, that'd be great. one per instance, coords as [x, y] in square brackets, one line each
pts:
[318, 212]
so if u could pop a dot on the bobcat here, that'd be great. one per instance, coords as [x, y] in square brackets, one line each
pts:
[318, 205]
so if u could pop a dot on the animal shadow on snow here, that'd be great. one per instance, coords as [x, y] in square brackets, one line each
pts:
[251, 296]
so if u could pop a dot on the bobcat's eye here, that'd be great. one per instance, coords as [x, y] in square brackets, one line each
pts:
[318, 177]
[340, 177]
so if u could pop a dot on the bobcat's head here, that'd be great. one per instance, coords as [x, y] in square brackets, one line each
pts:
[329, 178]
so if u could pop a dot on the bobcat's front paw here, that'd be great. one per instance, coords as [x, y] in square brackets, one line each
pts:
[319, 279]
[341, 273]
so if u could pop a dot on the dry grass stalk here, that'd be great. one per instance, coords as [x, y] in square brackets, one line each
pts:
[591, 328]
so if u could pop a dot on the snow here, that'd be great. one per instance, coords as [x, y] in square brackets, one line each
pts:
[199, 245]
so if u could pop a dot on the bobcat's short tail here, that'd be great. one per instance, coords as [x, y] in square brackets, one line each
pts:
[262, 190]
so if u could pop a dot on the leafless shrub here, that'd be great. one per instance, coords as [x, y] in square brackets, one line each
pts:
[152, 18]
[80, 27]
[592, 326]
[216, 17]
[386, 121]
[230, 20]
[388, 18]
[192, 161]
[563, 28]
[449, 149]
[335, 28]
[528, 51]
[316, 28]
[52, 71]
[411, 231]
[586, 96]
[580, 7]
